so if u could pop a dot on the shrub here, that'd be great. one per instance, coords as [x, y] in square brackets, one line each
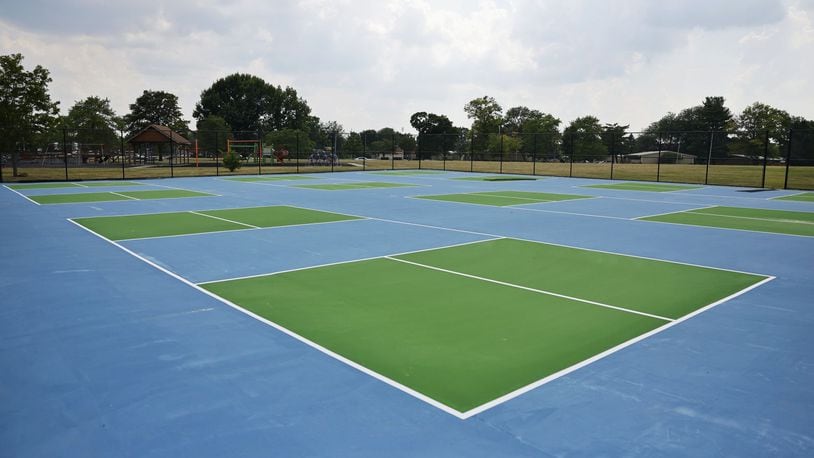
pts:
[231, 161]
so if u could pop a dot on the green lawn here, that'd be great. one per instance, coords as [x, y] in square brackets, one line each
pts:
[643, 187]
[114, 196]
[503, 198]
[186, 223]
[354, 185]
[748, 219]
[483, 326]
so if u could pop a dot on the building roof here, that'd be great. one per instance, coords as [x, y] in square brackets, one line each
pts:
[656, 153]
[155, 133]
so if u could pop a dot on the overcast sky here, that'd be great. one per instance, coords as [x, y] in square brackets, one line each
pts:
[371, 64]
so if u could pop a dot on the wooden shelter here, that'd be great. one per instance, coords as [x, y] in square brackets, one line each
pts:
[155, 141]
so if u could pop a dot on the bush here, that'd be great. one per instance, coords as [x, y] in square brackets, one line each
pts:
[231, 161]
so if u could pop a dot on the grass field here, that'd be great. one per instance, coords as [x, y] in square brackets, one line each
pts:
[114, 196]
[748, 219]
[198, 222]
[799, 177]
[504, 198]
[650, 187]
[489, 318]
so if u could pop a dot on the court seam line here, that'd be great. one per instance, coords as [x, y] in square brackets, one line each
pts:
[22, 195]
[194, 234]
[123, 195]
[789, 195]
[571, 246]
[727, 229]
[792, 221]
[223, 219]
[525, 389]
[517, 206]
[533, 201]
[337, 263]
[534, 290]
[400, 185]
[572, 213]
[204, 210]
[314, 345]
[672, 213]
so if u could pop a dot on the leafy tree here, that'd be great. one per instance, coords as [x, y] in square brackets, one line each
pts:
[93, 121]
[614, 139]
[248, 103]
[582, 139]
[539, 132]
[802, 141]
[753, 124]
[213, 134]
[26, 109]
[508, 145]
[290, 139]
[436, 132]
[155, 107]
[353, 145]
[486, 115]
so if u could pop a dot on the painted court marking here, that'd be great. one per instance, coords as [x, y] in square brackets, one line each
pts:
[224, 219]
[461, 415]
[526, 288]
[22, 195]
[122, 195]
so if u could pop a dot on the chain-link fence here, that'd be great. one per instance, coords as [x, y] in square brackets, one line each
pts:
[752, 159]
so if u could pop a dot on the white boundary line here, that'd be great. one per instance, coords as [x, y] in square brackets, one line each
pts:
[672, 213]
[534, 290]
[223, 219]
[608, 352]
[792, 221]
[80, 184]
[398, 185]
[251, 228]
[443, 407]
[297, 269]
[302, 339]
[790, 195]
[122, 195]
[606, 186]
[725, 229]
[22, 195]
[572, 213]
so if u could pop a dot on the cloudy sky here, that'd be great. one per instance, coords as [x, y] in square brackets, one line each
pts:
[371, 64]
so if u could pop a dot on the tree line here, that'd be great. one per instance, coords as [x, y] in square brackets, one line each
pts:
[243, 106]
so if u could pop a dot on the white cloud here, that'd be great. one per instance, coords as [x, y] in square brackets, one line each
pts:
[370, 64]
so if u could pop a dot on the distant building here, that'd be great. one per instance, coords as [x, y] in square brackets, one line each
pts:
[653, 157]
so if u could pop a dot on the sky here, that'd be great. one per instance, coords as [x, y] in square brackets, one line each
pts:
[372, 64]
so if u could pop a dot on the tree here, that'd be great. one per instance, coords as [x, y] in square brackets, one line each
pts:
[93, 121]
[539, 132]
[753, 124]
[436, 132]
[26, 108]
[353, 145]
[294, 140]
[155, 107]
[213, 133]
[486, 115]
[614, 138]
[248, 103]
[583, 141]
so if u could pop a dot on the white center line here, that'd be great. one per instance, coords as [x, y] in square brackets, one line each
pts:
[224, 219]
[122, 195]
[541, 291]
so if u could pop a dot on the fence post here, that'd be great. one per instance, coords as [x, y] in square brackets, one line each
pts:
[571, 156]
[333, 151]
[121, 154]
[393, 151]
[364, 151]
[534, 156]
[613, 152]
[709, 157]
[788, 159]
[418, 143]
[217, 149]
[297, 154]
[259, 153]
[765, 159]
[658, 161]
[501, 150]
[472, 152]
[65, 151]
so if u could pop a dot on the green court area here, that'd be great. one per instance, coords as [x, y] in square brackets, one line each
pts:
[198, 222]
[261, 179]
[747, 219]
[408, 172]
[85, 184]
[504, 198]
[467, 324]
[651, 187]
[498, 178]
[353, 185]
[113, 196]
[802, 197]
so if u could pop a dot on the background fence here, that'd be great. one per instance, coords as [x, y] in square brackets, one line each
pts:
[751, 159]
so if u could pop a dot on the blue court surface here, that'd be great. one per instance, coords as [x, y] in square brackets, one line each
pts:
[113, 349]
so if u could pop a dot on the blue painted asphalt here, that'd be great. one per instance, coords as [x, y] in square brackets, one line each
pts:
[104, 355]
